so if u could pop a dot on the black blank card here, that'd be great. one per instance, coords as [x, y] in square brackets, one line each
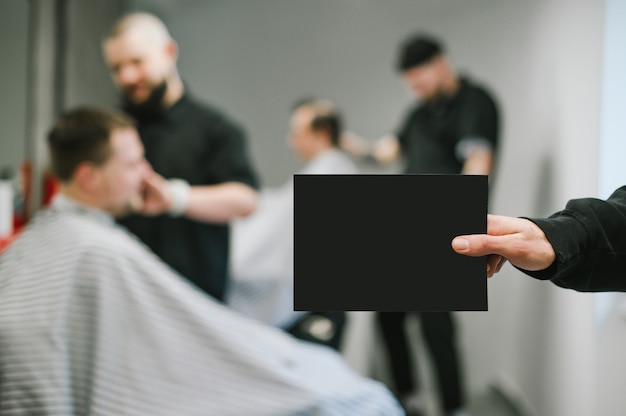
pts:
[382, 242]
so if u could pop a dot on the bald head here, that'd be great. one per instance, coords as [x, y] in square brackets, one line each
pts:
[142, 56]
[325, 117]
[315, 127]
[151, 27]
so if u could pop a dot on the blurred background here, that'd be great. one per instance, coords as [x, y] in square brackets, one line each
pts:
[556, 67]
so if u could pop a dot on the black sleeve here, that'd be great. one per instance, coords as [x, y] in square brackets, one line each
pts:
[229, 156]
[480, 118]
[589, 239]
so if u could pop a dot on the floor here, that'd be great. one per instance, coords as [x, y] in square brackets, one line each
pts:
[494, 403]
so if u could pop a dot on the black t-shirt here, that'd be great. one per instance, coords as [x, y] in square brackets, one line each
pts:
[196, 143]
[431, 133]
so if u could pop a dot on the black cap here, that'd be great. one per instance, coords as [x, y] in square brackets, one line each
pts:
[417, 50]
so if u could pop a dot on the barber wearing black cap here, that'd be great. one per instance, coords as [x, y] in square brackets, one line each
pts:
[452, 129]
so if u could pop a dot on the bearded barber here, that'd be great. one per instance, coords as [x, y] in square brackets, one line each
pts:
[209, 180]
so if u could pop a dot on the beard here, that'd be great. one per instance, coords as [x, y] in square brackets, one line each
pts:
[438, 102]
[151, 107]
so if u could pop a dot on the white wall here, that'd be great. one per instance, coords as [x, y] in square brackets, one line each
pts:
[611, 307]
[540, 337]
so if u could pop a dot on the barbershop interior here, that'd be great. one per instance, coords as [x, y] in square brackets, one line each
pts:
[556, 71]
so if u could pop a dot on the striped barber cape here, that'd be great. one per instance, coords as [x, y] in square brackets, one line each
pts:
[92, 323]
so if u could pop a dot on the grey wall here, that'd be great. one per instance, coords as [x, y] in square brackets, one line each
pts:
[51, 60]
[87, 80]
[13, 74]
[254, 58]
[65, 69]
[542, 58]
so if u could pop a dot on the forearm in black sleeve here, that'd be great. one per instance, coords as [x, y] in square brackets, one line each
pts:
[589, 239]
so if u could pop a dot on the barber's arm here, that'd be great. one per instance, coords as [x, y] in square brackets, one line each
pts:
[219, 203]
[479, 162]
[231, 193]
[383, 151]
[354, 144]
[477, 155]
[386, 149]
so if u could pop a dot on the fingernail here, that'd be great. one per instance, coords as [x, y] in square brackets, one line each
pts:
[460, 244]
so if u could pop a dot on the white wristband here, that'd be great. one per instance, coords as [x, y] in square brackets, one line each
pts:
[180, 196]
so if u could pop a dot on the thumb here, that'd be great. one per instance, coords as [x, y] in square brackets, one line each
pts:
[460, 244]
[472, 245]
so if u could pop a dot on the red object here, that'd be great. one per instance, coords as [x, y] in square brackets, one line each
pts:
[20, 219]
[5, 242]
[50, 188]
